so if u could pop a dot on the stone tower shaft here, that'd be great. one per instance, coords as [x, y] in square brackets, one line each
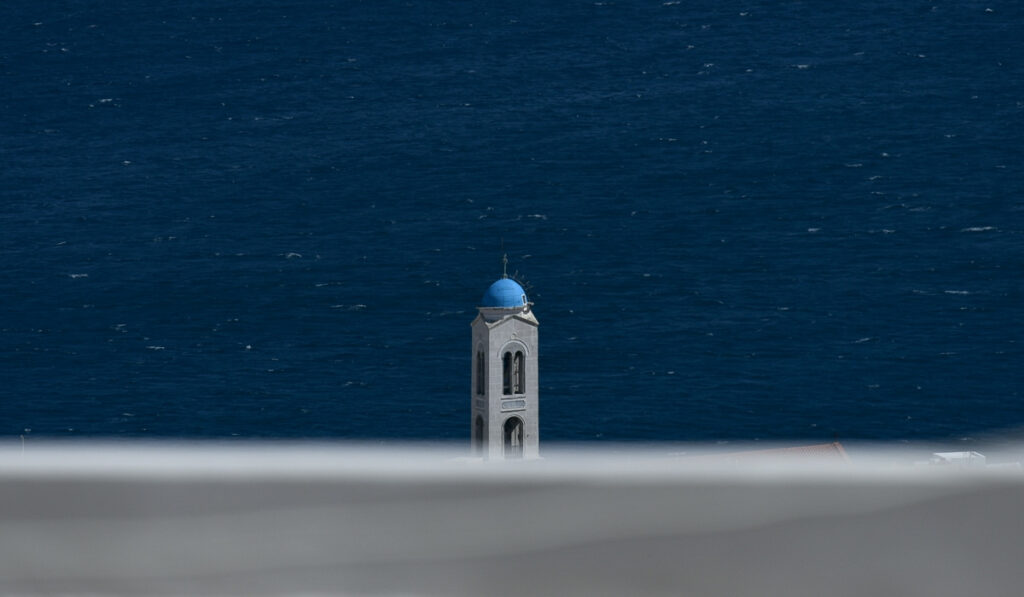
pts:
[505, 375]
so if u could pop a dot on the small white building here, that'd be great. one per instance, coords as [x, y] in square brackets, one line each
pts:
[504, 412]
[958, 459]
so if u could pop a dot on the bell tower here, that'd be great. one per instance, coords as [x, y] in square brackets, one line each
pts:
[504, 394]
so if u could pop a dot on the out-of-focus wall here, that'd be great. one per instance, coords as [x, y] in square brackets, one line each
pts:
[263, 520]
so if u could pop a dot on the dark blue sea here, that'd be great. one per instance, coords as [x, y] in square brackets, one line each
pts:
[737, 220]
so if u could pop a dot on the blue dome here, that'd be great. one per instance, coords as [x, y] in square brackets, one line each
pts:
[505, 293]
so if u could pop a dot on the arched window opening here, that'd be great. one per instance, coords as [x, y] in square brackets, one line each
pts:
[478, 436]
[506, 373]
[518, 373]
[513, 437]
[481, 374]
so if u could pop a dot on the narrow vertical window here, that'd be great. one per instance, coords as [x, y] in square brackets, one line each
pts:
[481, 374]
[506, 373]
[478, 436]
[518, 373]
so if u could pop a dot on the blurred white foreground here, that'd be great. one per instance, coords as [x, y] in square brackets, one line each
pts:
[270, 519]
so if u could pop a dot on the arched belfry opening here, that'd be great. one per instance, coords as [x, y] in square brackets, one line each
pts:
[518, 373]
[505, 373]
[512, 438]
[513, 373]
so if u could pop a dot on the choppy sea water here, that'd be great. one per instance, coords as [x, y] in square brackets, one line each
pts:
[749, 220]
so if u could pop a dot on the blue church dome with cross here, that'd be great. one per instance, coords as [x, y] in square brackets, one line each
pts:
[506, 293]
